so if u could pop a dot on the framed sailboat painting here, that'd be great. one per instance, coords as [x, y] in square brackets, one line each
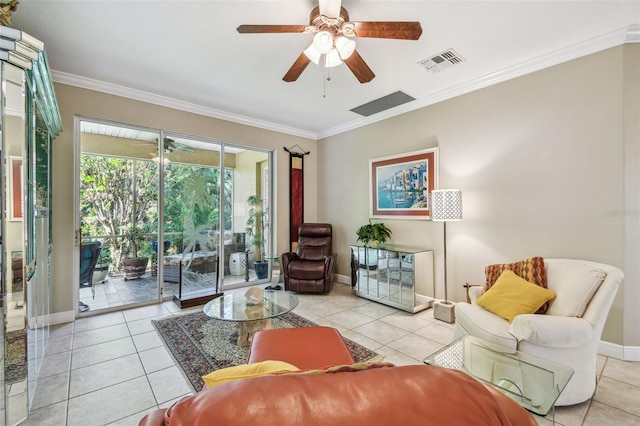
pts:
[399, 185]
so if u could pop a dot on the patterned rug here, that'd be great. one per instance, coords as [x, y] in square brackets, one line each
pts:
[16, 365]
[200, 344]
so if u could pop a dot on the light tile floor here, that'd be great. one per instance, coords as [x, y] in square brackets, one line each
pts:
[112, 369]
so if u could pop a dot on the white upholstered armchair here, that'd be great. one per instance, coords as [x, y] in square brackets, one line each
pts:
[568, 334]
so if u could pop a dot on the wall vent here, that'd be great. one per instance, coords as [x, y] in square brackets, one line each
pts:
[442, 60]
[383, 103]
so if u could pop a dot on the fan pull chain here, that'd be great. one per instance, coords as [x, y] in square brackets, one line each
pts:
[324, 83]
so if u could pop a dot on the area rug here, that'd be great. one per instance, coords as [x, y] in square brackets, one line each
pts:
[16, 362]
[200, 344]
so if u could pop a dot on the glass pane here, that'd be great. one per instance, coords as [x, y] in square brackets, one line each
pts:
[15, 107]
[252, 258]
[118, 215]
[192, 215]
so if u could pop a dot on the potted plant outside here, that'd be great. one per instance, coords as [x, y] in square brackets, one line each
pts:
[101, 270]
[255, 228]
[134, 266]
[374, 233]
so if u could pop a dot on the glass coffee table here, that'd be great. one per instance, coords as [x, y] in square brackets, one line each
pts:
[532, 382]
[250, 318]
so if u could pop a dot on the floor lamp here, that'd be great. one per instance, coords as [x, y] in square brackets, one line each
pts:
[446, 206]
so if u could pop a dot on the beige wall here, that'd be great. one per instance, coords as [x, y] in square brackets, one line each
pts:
[76, 101]
[539, 160]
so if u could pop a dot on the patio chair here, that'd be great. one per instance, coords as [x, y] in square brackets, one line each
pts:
[89, 255]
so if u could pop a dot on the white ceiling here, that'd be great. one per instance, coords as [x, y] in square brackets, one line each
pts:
[188, 54]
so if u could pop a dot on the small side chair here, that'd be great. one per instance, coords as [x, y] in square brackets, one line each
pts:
[89, 255]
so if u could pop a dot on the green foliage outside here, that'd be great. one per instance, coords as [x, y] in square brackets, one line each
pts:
[107, 205]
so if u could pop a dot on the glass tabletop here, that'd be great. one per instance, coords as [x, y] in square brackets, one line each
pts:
[234, 307]
[532, 382]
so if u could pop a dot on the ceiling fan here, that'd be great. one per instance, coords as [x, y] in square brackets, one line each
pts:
[332, 42]
[171, 145]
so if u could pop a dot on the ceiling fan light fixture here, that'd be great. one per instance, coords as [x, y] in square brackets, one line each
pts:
[345, 47]
[323, 41]
[332, 59]
[312, 53]
[165, 160]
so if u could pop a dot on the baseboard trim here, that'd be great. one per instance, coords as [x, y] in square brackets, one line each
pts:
[623, 353]
[344, 279]
[62, 317]
[613, 350]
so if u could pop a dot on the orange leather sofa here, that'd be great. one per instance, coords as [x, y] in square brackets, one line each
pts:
[359, 395]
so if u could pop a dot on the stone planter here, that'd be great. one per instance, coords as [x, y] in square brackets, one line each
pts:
[134, 267]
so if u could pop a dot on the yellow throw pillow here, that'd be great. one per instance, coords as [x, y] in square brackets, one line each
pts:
[246, 371]
[512, 295]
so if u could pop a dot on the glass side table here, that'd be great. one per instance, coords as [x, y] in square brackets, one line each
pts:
[532, 382]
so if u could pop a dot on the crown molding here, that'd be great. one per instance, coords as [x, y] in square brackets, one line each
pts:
[629, 34]
[633, 34]
[139, 95]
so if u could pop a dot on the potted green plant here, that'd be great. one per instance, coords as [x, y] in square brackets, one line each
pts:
[374, 233]
[255, 227]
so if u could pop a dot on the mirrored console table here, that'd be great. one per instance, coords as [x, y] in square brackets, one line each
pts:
[395, 275]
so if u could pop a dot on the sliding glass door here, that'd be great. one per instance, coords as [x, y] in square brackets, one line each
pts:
[118, 216]
[179, 219]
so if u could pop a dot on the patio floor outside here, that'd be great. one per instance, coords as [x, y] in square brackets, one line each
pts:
[115, 291]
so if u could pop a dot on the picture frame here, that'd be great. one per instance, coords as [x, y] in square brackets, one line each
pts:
[399, 185]
[16, 203]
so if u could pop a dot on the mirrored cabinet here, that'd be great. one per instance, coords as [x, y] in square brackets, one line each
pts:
[30, 120]
[395, 275]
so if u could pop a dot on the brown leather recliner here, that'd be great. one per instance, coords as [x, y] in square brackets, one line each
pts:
[310, 268]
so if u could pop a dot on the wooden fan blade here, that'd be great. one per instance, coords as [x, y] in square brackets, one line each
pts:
[359, 67]
[296, 69]
[397, 30]
[249, 29]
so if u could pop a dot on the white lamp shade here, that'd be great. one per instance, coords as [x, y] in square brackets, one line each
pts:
[333, 59]
[345, 47]
[446, 205]
[323, 41]
[312, 53]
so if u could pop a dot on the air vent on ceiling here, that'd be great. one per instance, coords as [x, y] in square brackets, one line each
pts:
[442, 60]
[383, 103]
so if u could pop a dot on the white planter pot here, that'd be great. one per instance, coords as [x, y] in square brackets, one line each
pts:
[100, 273]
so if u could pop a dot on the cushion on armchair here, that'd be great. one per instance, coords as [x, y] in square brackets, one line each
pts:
[531, 269]
[574, 285]
[512, 295]
[307, 270]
